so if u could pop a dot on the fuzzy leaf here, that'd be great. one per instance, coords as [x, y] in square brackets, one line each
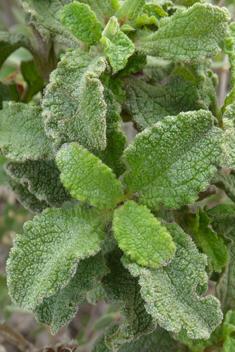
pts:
[5, 94]
[96, 293]
[87, 179]
[45, 258]
[104, 9]
[26, 198]
[189, 35]
[149, 104]
[45, 16]
[230, 50]
[42, 178]
[141, 236]
[59, 309]
[226, 182]
[134, 64]
[170, 291]
[22, 134]
[227, 146]
[212, 245]
[129, 11]
[174, 160]
[83, 23]
[118, 47]
[10, 42]
[136, 321]
[116, 139]
[150, 14]
[73, 106]
[158, 341]
[32, 78]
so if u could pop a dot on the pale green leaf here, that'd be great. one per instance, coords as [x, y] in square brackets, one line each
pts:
[158, 341]
[96, 293]
[212, 245]
[35, 82]
[118, 47]
[228, 144]
[116, 139]
[123, 289]
[26, 198]
[157, 69]
[129, 10]
[141, 236]
[229, 345]
[59, 309]
[42, 178]
[230, 50]
[81, 20]
[186, 2]
[174, 160]
[225, 182]
[10, 42]
[149, 104]
[73, 105]
[87, 179]
[45, 16]
[22, 134]
[45, 258]
[170, 291]
[189, 35]
[104, 9]
[150, 14]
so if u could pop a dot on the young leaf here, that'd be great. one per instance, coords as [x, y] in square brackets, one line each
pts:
[67, 109]
[118, 47]
[189, 35]
[170, 291]
[83, 23]
[59, 309]
[228, 327]
[45, 16]
[116, 139]
[22, 134]
[150, 14]
[87, 179]
[45, 258]
[141, 236]
[10, 42]
[148, 104]
[42, 178]
[123, 289]
[227, 145]
[104, 9]
[230, 50]
[32, 78]
[129, 11]
[174, 160]
[134, 64]
[158, 341]
[225, 182]
[26, 198]
[212, 245]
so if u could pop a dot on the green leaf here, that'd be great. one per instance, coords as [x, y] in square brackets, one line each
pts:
[26, 198]
[129, 11]
[104, 9]
[141, 236]
[83, 23]
[170, 291]
[42, 178]
[149, 104]
[225, 182]
[158, 341]
[116, 139]
[67, 108]
[22, 134]
[59, 309]
[45, 16]
[229, 345]
[87, 179]
[32, 78]
[150, 14]
[134, 64]
[212, 245]
[157, 69]
[227, 145]
[123, 289]
[10, 42]
[230, 50]
[45, 258]
[5, 94]
[118, 47]
[96, 293]
[174, 160]
[189, 35]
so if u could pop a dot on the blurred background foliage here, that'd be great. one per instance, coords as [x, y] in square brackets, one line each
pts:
[25, 84]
